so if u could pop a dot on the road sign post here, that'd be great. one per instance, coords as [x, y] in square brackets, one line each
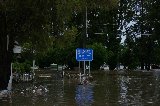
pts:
[84, 55]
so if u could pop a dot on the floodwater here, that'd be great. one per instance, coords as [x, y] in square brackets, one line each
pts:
[106, 90]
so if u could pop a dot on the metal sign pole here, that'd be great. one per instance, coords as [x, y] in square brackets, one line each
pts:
[89, 68]
[79, 67]
[80, 72]
[84, 68]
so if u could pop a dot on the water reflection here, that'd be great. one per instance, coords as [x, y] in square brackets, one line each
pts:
[84, 95]
[123, 90]
[130, 91]
[138, 90]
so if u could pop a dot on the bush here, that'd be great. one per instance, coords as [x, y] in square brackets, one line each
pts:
[21, 67]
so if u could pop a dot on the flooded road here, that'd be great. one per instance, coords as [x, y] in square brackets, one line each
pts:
[105, 90]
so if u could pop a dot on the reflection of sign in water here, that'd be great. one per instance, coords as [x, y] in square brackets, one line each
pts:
[84, 54]
[124, 90]
[84, 95]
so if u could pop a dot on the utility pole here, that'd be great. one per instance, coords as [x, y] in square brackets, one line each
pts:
[85, 34]
[141, 26]
[85, 37]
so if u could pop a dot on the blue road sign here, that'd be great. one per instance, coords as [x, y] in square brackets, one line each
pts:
[84, 54]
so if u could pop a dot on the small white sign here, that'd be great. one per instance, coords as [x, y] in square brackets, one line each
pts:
[17, 49]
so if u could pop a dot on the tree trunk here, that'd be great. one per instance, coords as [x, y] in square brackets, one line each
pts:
[5, 53]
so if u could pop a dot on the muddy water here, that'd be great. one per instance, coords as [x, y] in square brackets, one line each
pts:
[105, 90]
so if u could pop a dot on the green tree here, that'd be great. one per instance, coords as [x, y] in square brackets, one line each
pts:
[63, 50]
[99, 56]
[20, 21]
[33, 21]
